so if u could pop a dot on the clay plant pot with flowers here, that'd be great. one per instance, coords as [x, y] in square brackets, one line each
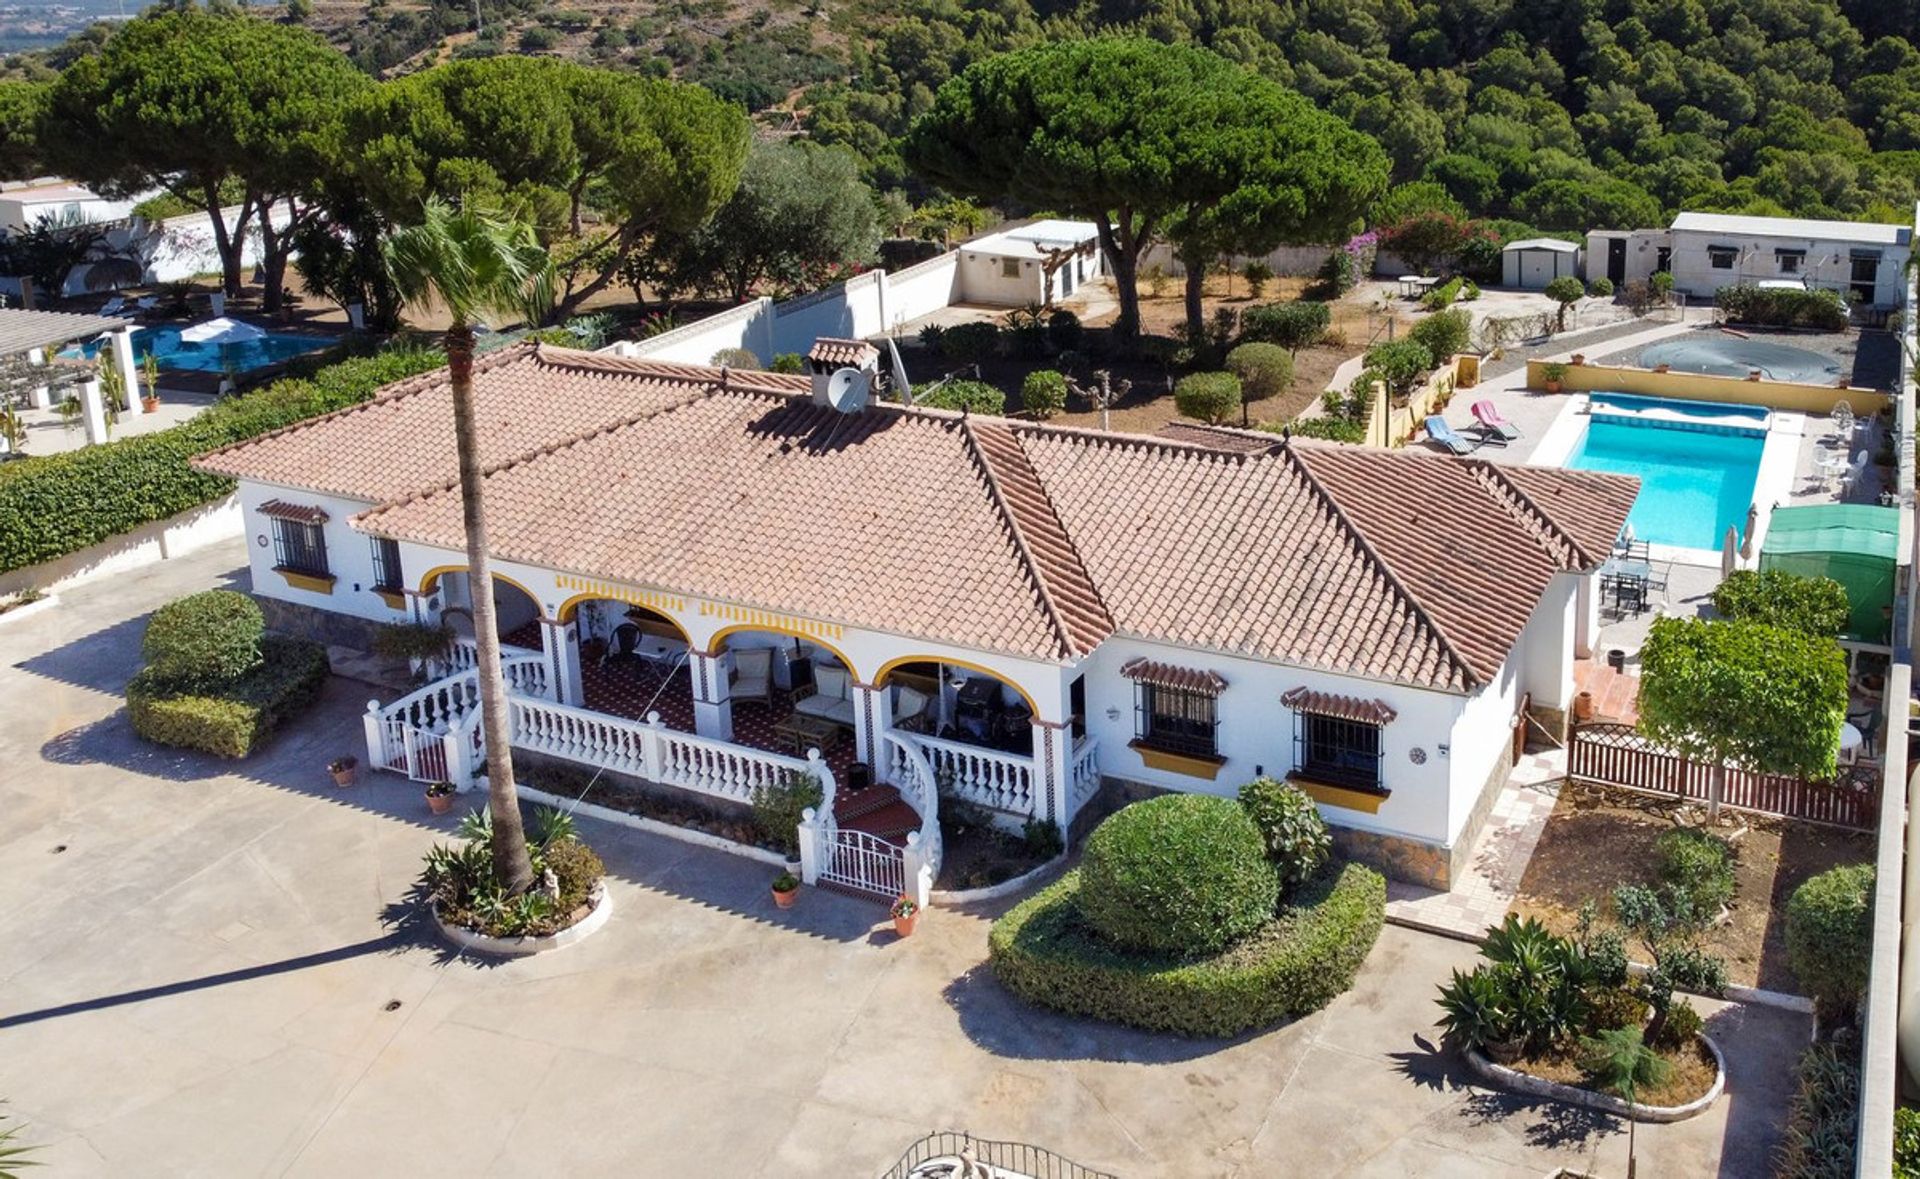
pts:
[440, 797]
[342, 769]
[1551, 375]
[906, 914]
[786, 890]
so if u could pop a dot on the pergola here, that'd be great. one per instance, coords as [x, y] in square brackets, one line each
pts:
[27, 338]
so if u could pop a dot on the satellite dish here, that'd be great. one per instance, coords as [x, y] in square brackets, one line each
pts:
[848, 390]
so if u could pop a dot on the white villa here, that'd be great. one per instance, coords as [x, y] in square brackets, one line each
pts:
[710, 579]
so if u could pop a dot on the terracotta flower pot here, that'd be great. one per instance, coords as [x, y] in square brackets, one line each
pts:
[1583, 706]
[150, 404]
[439, 804]
[785, 899]
[344, 777]
[1553, 386]
[904, 925]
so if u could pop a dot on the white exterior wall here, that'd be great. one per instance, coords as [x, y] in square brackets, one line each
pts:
[20, 211]
[982, 279]
[1482, 730]
[1827, 264]
[349, 554]
[1643, 253]
[849, 311]
[922, 289]
[1255, 733]
[1545, 648]
[745, 326]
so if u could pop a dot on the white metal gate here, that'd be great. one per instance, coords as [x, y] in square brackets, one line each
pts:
[866, 863]
[420, 753]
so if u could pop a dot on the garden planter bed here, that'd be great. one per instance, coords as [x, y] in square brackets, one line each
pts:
[1698, 1079]
[16, 610]
[582, 923]
[1598, 838]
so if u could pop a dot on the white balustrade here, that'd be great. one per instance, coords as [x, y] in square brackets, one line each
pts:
[1083, 776]
[988, 777]
[913, 776]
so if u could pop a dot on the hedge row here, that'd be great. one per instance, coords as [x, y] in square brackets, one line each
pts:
[58, 504]
[1044, 952]
[240, 717]
[1783, 307]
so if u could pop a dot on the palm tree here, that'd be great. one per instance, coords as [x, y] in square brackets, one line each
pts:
[1620, 1061]
[477, 263]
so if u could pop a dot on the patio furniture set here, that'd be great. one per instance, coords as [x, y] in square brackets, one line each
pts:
[1630, 576]
[1491, 428]
[1838, 463]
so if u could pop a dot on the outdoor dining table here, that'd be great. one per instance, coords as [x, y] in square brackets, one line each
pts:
[1627, 577]
[1850, 740]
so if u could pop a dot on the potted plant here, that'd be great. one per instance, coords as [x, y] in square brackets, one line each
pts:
[786, 889]
[440, 797]
[906, 914]
[342, 769]
[150, 371]
[1552, 375]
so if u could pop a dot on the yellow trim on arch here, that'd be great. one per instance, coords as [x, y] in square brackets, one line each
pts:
[431, 578]
[880, 677]
[570, 609]
[587, 589]
[749, 618]
[714, 644]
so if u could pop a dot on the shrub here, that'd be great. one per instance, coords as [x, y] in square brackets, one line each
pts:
[236, 718]
[1181, 875]
[1443, 334]
[1338, 274]
[1469, 291]
[1830, 936]
[1906, 1143]
[1400, 363]
[1601, 288]
[412, 640]
[57, 504]
[204, 640]
[1290, 824]
[1782, 307]
[1293, 326]
[1042, 838]
[1044, 393]
[1441, 297]
[788, 362]
[1682, 1024]
[736, 358]
[1811, 605]
[1044, 951]
[1823, 1123]
[1025, 332]
[1699, 864]
[969, 343]
[1615, 1007]
[1331, 429]
[1208, 397]
[777, 809]
[1265, 370]
[971, 396]
[459, 879]
[1064, 331]
[1258, 274]
[538, 39]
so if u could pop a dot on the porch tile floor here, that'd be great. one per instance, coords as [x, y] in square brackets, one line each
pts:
[1499, 859]
[1616, 694]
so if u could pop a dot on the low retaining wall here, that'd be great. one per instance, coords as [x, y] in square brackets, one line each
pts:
[1787, 395]
[1520, 1082]
[149, 544]
[520, 947]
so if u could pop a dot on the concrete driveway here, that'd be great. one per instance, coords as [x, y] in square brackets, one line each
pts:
[213, 969]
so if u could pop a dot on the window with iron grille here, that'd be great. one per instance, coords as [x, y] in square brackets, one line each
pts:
[1722, 257]
[1174, 720]
[300, 547]
[1337, 751]
[386, 565]
[1009, 268]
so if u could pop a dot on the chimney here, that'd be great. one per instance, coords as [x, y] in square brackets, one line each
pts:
[829, 356]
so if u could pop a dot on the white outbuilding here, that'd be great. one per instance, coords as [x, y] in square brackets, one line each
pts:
[1532, 264]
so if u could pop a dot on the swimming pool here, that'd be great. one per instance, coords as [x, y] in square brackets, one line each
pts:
[1697, 463]
[169, 351]
[1733, 356]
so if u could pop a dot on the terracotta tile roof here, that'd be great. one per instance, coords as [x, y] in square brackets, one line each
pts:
[1032, 540]
[1353, 708]
[834, 352]
[1221, 437]
[525, 396]
[305, 513]
[1166, 675]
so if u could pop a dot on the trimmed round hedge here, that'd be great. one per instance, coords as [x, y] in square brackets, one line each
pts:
[1043, 951]
[1830, 936]
[1181, 874]
[204, 639]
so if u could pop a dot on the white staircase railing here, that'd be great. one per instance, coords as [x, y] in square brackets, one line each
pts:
[428, 733]
[463, 654]
[988, 777]
[1083, 778]
[912, 774]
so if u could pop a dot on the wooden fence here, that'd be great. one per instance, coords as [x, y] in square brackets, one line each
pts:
[1620, 755]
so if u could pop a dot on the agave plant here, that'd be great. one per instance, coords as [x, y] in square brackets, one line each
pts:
[1477, 1009]
[13, 1155]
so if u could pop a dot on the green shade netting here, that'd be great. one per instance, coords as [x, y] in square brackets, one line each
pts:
[1855, 544]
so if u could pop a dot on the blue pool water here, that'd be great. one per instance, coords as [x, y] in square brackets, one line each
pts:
[1696, 471]
[171, 352]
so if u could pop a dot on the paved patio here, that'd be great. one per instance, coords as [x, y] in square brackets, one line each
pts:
[1499, 858]
[213, 968]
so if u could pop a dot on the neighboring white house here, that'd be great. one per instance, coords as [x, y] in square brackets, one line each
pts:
[1009, 611]
[1007, 268]
[1531, 264]
[24, 204]
[1864, 261]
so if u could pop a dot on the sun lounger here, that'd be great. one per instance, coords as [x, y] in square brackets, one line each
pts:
[1493, 424]
[1438, 431]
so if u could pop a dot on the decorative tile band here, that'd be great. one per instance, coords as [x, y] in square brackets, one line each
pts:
[769, 620]
[633, 597]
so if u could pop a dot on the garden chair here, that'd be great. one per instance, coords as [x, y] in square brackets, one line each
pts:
[1438, 431]
[114, 306]
[1493, 423]
[1856, 474]
[910, 709]
[626, 639]
[753, 675]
